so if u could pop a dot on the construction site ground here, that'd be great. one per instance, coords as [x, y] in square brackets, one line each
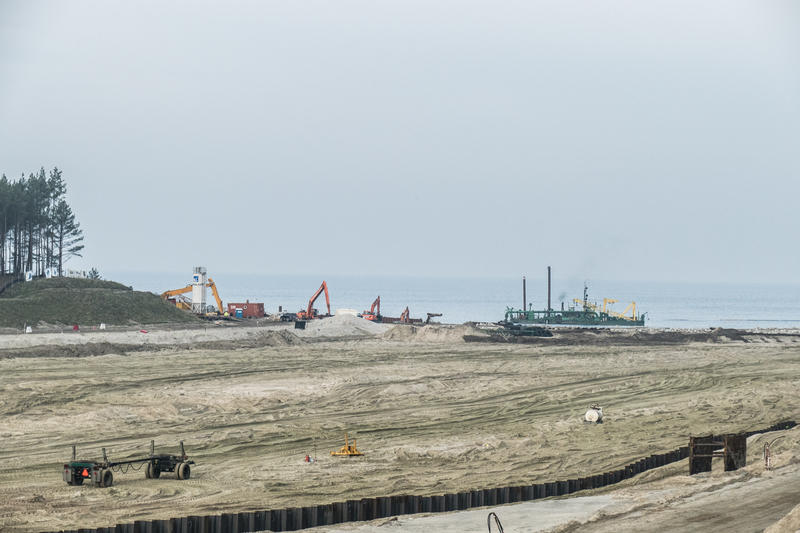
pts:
[431, 413]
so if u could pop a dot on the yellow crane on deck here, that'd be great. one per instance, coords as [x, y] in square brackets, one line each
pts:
[589, 306]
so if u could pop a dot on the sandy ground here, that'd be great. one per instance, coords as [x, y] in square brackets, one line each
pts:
[432, 414]
[176, 335]
[662, 500]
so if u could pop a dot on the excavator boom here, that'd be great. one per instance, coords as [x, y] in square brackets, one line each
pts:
[214, 291]
[309, 312]
[176, 292]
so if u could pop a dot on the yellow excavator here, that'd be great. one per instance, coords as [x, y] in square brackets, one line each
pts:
[181, 302]
[213, 286]
[176, 295]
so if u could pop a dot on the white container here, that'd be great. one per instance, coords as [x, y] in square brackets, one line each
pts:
[28, 329]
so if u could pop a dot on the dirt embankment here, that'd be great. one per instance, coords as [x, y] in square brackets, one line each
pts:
[69, 301]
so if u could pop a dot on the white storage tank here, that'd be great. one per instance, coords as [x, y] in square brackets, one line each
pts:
[594, 414]
[199, 280]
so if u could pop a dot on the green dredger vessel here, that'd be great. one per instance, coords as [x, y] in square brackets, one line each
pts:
[583, 313]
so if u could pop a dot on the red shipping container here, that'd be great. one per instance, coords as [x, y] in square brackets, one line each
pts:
[248, 309]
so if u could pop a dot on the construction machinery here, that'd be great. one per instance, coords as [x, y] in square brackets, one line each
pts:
[177, 297]
[310, 312]
[624, 314]
[582, 313]
[347, 450]
[432, 315]
[101, 472]
[213, 287]
[374, 313]
[405, 318]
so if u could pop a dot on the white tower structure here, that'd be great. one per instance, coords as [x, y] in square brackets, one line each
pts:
[199, 280]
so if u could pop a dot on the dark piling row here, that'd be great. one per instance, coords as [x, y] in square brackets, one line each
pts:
[295, 518]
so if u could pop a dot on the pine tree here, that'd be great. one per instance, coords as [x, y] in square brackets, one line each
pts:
[67, 235]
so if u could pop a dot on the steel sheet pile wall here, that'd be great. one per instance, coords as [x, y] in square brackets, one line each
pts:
[295, 518]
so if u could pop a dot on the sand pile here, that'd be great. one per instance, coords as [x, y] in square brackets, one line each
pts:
[430, 333]
[275, 338]
[788, 524]
[341, 326]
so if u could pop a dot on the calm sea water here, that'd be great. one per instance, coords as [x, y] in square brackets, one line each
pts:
[680, 305]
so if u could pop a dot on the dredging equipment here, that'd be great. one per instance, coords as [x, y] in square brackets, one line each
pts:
[582, 313]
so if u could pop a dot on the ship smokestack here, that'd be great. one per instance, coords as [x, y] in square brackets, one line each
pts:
[524, 296]
[548, 292]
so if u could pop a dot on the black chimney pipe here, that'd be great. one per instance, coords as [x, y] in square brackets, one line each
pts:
[524, 297]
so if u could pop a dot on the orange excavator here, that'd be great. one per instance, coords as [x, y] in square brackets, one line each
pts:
[310, 312]
[374, 313]
[404, 319]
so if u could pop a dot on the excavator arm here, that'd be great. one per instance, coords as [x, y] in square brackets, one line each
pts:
[213, 287]
[309, 312]
[176, 292]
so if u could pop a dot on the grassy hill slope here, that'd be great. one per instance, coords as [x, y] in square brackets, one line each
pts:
[70, 301]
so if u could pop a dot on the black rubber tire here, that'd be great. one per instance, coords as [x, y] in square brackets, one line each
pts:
[184, 471]
[107, 478]
[155, 471]
[147, 469]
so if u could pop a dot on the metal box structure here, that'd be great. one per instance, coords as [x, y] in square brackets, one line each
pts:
[246, 310]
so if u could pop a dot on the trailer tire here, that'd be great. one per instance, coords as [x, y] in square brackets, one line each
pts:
[184, 471]
[106, 478]
[152, 471]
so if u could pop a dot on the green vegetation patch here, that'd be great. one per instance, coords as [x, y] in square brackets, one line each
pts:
[67, 301]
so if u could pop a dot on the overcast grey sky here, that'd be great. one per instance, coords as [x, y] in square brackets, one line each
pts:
[617, 140]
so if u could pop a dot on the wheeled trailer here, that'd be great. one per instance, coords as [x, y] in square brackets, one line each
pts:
[101, 472]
